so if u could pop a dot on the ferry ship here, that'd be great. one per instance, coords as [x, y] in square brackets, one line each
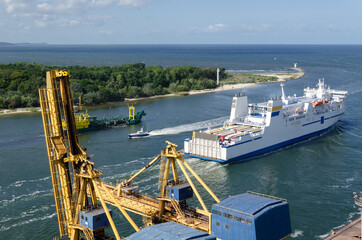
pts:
[254, 129]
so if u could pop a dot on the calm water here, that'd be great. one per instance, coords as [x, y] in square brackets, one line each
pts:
[317, 176]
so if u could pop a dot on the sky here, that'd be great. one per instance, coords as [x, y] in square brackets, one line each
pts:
[181, 21]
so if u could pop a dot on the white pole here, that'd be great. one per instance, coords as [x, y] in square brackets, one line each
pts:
[218, 77]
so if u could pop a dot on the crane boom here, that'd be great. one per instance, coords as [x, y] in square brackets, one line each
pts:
[77, 186]
[67, 158]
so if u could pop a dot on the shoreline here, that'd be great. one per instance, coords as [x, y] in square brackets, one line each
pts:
[281, 78]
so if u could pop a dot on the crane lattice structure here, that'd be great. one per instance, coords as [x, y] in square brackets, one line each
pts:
[77, 186]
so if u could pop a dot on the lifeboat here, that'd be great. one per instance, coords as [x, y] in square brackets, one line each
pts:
[319, 102]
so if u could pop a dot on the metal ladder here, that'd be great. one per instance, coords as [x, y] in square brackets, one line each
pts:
[55, 174]
[177, 208]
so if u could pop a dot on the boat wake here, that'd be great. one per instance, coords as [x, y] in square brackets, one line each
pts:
[297, 233]
[48, 216]
[25, 197]
[189, 127]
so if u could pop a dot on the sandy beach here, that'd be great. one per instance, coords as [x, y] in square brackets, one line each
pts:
[281, 77]
[284, 76]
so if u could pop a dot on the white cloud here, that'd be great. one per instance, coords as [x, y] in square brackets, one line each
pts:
[103, 3]
[216, 27]
[106, 32]
[71, 22]
[133, 3]
[211, 28]
[18, 6]
[63, 13]
[127, 3]
[23, 27]
[257, 28]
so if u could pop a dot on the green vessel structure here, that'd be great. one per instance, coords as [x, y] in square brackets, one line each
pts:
[134, 119]
[85, 123]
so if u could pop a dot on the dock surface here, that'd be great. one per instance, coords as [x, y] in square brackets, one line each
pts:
[350, 231]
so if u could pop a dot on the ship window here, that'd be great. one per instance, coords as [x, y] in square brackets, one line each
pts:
[217, 224]
[228, 215]
[239, 219]
[216, 212]
[82, 217]
[227, 226]
[98, 219]
[248, 222]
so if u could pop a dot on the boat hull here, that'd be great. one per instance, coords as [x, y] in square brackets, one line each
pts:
[246, 156]
[138, 135]
[254, 129]
[279, 134]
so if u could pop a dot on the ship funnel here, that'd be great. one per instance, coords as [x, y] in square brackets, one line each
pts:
[239, 108]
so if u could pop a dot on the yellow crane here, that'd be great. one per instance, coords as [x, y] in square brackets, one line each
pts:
[77, 186]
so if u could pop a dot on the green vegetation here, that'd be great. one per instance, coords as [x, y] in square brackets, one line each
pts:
[235, 78]
[19, 82]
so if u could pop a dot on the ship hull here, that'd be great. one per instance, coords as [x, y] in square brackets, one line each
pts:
[267, 126]
[249, 148]
[246, 156]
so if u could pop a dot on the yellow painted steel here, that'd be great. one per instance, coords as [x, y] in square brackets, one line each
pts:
[192, 185]
[131, 111]
[118, 205]
[268, 196]
[82, 121]
[144, 168]
[67, 158]
[277, 108]
[286, 236]
[43, 104]
[161, 208]
[152, 208]
[174, 170]
[106, 210]
[74, 178]
[200, 180]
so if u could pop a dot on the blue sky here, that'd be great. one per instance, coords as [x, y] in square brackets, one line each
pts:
[181, 21]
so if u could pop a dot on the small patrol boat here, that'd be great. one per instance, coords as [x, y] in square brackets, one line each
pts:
[138, 134]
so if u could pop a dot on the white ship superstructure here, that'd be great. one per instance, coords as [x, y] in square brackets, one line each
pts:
[253, 129]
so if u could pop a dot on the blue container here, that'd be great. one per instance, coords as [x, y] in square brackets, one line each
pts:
[179, 192]
[169, 231]
[251, 216]
[94, 219]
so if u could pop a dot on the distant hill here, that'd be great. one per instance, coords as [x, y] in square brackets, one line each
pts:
[19, 44]
[5, 44]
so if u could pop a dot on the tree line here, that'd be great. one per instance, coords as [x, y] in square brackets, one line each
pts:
[19, 82]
